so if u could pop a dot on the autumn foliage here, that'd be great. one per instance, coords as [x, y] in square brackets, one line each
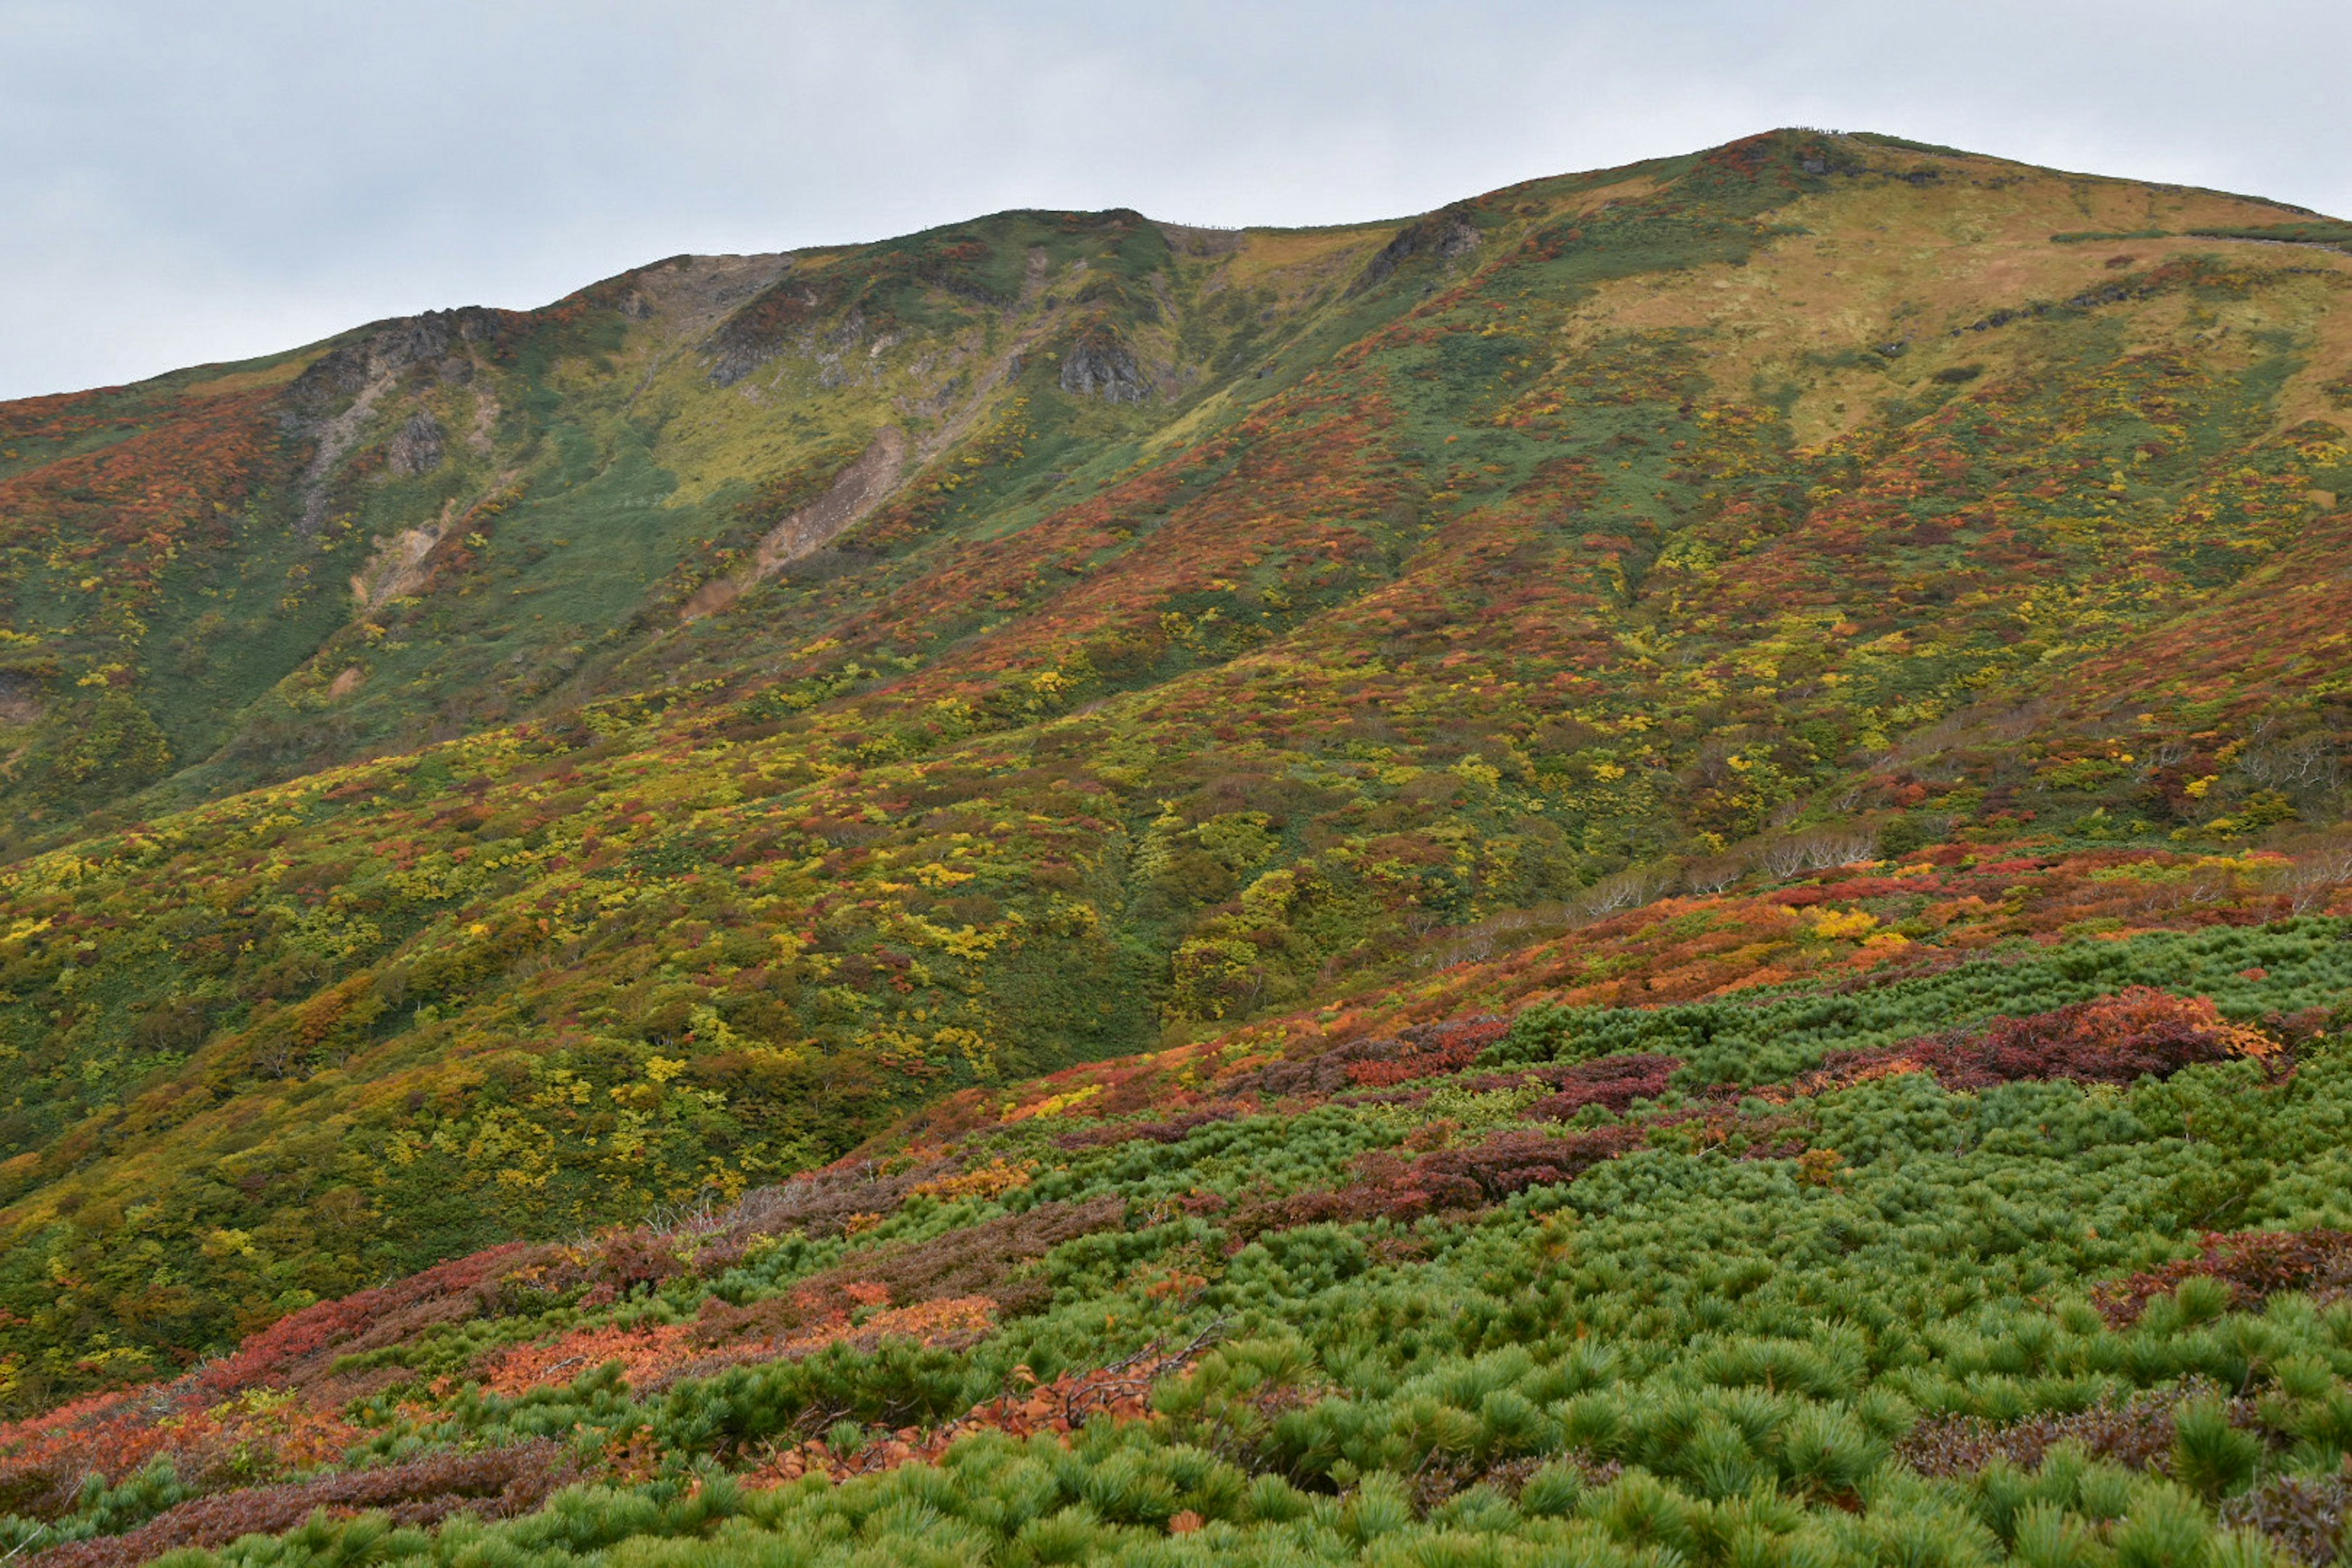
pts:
[2254, 1265]
[2141, 1032]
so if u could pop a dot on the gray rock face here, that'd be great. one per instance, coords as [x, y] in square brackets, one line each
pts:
[1445, 235]
[391, 348]
[758, 331]
[333, 400]
[1099, 365]
[418, 447]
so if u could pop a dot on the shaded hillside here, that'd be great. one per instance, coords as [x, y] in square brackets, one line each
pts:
[751, 698]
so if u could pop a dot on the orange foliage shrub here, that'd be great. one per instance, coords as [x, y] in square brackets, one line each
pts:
[1120, 1392]
[993, 1180]
[43, 1461]
[650, 1355]
[2141, 1032]
[639, 1352]
[306, 1341]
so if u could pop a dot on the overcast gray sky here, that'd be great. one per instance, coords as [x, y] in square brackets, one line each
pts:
[183, 183]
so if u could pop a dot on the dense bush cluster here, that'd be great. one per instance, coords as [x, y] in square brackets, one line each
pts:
[1398, 1189]
[495, 1483]
[1947, 1306]
[2253, 1265]
[2141, 1033]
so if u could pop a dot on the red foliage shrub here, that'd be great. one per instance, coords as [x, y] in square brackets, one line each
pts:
[978, 1261]
[2294, 1030]
[1395, 1188]
[1120, 1391]
[1325, 1072]
[1508, 1162]
[2306, 1514]
[2142, 1031]
[1175, 1129]
[618, 1262]
[304, 1341]
[2139, 1033]
[1876, 887]
[2137, 1432]
[1614, 1081]
[2255, 1264]
[495, 1483]
[1422, 1051]
[1436, 1049]
[38, 1491]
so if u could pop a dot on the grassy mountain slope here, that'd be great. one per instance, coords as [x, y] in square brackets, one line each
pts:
[434, 523]
[1903, 1270]
[495, 775]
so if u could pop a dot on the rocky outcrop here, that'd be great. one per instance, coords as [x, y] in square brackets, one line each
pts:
[417, 447]
[757, 332]
[1098, 364]
[333, 398]
[401, 564]
[1443, 235]
[396, 346]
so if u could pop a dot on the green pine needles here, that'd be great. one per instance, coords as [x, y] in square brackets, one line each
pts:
[1904, 1322]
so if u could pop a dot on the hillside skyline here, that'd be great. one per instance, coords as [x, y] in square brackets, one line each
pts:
[823, 245]
[199, 190]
